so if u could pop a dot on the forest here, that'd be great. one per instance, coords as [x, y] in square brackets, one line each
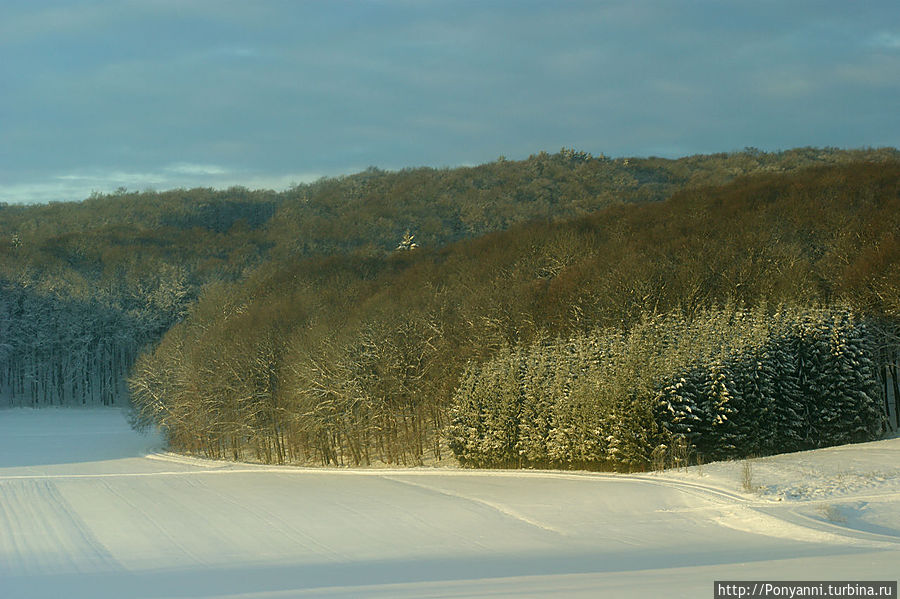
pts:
[564, 311]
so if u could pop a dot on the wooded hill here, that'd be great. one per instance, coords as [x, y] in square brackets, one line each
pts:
[301, 333]
[350, 359]
[84, 287]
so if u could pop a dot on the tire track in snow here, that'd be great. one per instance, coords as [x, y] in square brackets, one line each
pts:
[498, 507]
[770, 518]
[695, 489]
[156, 524]
[39, 531]
[798, 518]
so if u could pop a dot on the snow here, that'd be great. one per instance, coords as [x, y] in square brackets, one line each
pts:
[88, 508]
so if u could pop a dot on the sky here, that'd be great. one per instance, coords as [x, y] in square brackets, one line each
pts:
[162, 94]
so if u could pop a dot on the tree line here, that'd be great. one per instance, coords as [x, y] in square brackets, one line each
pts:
[353, 357]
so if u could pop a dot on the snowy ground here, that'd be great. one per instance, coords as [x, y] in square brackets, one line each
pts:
[90, 509]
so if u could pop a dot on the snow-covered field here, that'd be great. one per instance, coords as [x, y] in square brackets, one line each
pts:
[89, 508]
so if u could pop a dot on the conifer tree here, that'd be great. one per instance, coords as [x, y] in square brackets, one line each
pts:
[536, 415]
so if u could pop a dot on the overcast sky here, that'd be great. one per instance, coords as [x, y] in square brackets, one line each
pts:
[159, 94]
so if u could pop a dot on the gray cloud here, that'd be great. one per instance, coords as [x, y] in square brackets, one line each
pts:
[264, 89]
[886, 39]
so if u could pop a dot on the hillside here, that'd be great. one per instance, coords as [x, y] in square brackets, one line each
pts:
[87, 286]
[353, 358]
[294, 326]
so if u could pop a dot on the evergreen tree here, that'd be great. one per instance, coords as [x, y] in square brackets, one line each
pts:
[536, 416]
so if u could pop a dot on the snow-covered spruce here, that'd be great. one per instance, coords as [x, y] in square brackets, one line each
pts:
[730, 383]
